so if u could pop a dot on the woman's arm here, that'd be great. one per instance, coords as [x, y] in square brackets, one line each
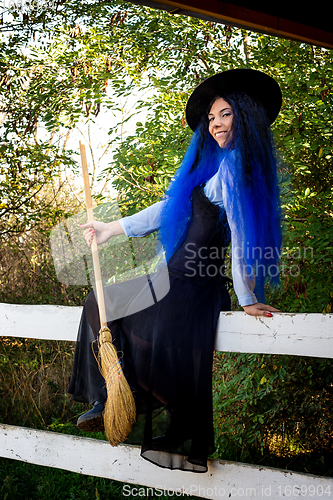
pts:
[242, 283]
[137, 225]
[143, 223]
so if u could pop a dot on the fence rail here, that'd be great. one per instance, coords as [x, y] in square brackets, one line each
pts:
[297, 334]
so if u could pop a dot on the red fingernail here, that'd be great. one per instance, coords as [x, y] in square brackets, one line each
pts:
[270, 315]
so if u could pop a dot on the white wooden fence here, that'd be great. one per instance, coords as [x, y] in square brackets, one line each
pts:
[297, 334]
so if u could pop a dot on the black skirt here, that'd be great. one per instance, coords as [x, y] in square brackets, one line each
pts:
[167, 349]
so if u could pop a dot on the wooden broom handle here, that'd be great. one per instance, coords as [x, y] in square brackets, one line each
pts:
[94, 248]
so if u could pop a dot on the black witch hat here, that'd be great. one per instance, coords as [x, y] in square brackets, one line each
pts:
[258, 85]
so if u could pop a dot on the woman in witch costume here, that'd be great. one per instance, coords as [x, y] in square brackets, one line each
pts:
[226, 189]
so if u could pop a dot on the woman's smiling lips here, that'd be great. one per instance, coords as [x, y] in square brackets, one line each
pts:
[220, 133]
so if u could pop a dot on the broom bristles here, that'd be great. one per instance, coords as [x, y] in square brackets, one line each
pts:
[119, 410]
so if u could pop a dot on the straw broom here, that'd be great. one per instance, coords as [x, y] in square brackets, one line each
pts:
[119, 411]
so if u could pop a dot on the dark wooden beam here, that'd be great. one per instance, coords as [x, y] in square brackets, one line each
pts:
[242, 17]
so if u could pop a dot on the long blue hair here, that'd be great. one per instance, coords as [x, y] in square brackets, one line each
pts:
[201, 161]
[251, 183]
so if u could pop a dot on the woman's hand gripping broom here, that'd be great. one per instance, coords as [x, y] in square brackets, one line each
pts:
[119, 412]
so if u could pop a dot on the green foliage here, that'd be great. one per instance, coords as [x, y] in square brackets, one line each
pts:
[34, 379]
[274, 410]
[306, 263]
[22, 183]
[27, 273]
[145, 164]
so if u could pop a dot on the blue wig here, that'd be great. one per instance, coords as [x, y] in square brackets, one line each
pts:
[252, 190]
[250, 179]
[200, 163]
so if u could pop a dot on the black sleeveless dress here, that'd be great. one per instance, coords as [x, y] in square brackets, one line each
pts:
[167, 348]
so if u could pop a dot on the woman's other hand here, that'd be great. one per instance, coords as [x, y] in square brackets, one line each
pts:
[103, 231]
[260, 309]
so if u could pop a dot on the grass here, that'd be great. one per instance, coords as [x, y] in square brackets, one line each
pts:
[32, 482]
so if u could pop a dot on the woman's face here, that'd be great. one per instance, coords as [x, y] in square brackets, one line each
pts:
[220, 119]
